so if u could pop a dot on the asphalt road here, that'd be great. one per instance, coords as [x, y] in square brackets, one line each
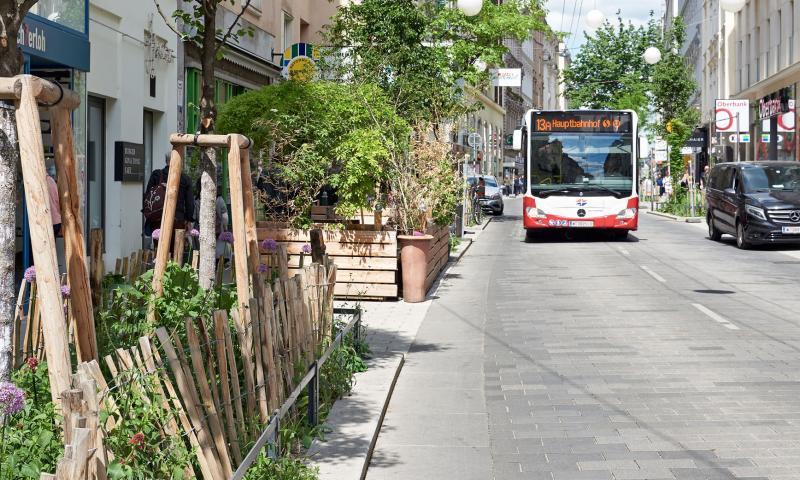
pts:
[667, 356]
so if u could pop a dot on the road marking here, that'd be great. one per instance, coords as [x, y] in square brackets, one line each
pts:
[715, 316]
[653, 274]
[623, 251]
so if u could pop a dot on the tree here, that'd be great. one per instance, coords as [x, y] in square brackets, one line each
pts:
[418, 52]
[672, 88]
[609, 73]
[199, 24]
[12, 13]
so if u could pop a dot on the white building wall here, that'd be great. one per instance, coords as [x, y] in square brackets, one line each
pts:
[118, 75]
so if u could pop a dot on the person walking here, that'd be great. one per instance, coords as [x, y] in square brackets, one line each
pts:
[155, 198]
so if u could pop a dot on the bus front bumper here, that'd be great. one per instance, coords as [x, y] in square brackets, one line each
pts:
[605, 222]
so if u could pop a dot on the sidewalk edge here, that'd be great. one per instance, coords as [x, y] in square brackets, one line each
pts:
[379, 425]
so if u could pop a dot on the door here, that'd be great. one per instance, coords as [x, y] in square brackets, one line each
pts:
[727, 211]
[95, 168]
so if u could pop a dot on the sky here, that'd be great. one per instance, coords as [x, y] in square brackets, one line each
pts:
[637, 11]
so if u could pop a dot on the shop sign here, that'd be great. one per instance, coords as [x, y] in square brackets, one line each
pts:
[765, 138]
[299, 61]
[44, 39]
[128, 162]
[699, 139]
[786, 122]
[776, 103]
[732, 114]
[743, 138]
[506, 77]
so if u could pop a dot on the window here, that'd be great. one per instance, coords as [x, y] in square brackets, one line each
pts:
[287, 30]
[739, 64]
[254, 4]
[749, 47]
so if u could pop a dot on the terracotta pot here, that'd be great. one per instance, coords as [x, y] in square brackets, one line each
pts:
[414, 263]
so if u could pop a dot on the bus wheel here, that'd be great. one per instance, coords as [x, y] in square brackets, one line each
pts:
[620, 235]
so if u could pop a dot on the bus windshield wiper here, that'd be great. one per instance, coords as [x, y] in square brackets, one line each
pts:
[570, 189]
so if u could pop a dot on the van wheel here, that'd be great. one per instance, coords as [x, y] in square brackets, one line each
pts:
[713, 233]
[741, 239]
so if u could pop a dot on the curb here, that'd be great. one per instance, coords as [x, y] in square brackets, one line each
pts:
[677, 218]
[374, 440]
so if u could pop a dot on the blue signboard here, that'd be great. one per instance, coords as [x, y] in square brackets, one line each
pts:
[47, 42]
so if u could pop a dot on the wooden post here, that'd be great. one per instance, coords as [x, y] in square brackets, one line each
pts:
[168, 216]
[249, 211]
[43, 241]
[239, 230]
[180, 242]
[72, 226]
[96, 267]
[317, 246]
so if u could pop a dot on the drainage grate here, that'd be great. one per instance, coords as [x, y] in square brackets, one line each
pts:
[715, 292]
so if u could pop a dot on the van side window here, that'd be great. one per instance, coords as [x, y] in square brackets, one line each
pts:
[725, 179]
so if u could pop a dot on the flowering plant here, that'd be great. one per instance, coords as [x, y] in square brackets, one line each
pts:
[30, 274]
[156, 234]
[269, 245]
[226, 237]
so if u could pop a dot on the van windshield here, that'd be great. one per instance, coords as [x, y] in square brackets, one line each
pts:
[764, 178]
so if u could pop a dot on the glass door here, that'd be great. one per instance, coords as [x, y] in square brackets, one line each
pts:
[95, 193]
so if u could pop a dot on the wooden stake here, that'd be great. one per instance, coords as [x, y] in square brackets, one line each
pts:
[72, 226]
[261, 385]
[249, 211]
[168, 216]
[97, 268]
[180, 242]
[237, 389]
[220, 325]
[43, 241]
[239, 232]
[208, 402]
[16, 334]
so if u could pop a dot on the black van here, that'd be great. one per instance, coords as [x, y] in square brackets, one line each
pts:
[757, 202]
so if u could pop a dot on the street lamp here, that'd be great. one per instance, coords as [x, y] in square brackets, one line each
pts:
[470, 8]
[732, 5]
[652, 55]
[595, 18]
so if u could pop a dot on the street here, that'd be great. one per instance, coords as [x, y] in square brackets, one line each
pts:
[666, 356]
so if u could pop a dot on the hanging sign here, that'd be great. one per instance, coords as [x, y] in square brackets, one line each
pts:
[731, 115]
[128, 162]
[299, 62]
[786, 122]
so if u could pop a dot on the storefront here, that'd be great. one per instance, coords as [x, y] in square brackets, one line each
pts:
[775, 131]
[55, 42]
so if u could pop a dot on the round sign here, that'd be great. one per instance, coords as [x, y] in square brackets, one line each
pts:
[726, 116]
[474, 140]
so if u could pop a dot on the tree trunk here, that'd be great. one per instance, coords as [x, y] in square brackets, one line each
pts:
[9, 155]
[208, 180]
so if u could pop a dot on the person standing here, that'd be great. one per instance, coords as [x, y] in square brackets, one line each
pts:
[155, 198]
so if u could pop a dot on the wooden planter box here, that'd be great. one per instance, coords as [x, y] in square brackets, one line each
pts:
[366, 260]
[439, 253]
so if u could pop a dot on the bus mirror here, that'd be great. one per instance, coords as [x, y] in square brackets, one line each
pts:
[517, 140]
[644, 147]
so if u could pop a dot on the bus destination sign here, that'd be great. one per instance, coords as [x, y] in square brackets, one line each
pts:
[589, 122]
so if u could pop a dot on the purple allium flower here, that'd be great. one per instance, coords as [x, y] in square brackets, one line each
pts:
[156, 234]
[270, 245]
[417, 233]
[194, 233]
[262, 268]
[226, 237]
[306, 249]
[12, 399]
[30, 274]
[65, 291]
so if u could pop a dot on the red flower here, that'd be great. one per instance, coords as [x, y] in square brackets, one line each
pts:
[137, 440]
[33, 363]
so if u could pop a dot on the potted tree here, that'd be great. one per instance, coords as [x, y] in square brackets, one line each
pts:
[424, 187]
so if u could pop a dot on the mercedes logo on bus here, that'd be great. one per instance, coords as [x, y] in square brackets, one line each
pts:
[581, 212]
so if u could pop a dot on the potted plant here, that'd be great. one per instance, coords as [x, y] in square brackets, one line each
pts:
[424, 187]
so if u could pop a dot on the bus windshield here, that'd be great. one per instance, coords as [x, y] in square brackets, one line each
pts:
[593, 161]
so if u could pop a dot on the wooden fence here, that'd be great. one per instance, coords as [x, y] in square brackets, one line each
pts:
[222, 379]
[439, 253]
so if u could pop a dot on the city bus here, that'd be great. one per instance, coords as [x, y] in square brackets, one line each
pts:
[580, 171]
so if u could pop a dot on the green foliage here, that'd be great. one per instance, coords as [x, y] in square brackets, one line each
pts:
[142, 449]
[194, 19]
[680, 204]
[125, 317]
[31, 441]
[299, 132]
[284, 468]
[609, 72]
[418, 51]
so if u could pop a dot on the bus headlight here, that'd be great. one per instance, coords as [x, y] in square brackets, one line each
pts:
[533, 212]
[626, 214]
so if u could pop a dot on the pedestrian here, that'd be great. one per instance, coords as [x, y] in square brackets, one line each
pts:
[703, 177]
[155, 198]
[648, 188]
[221, 225]
[660, 185]
[667, 185]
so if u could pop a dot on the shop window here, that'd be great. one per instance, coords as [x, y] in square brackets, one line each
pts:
[287, 30]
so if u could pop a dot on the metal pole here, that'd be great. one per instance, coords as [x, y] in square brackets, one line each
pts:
[691, 186]
[313, 396]
[738, 137]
